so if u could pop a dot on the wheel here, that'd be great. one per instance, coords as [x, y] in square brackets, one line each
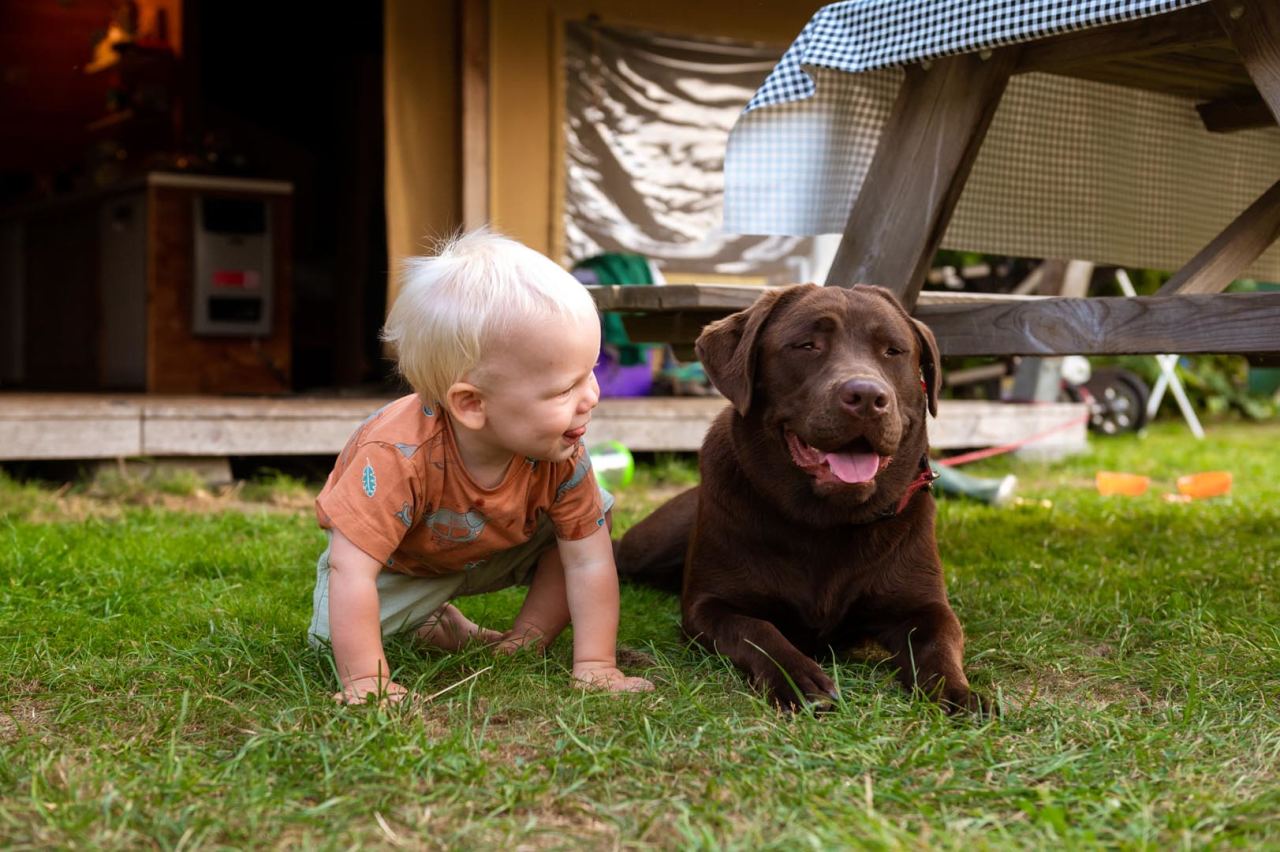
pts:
[1117, 400]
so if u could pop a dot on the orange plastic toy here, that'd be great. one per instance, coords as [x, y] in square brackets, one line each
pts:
[1213, 483]
[1129, 484]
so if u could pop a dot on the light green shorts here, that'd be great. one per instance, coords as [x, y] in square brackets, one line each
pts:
[405, 603]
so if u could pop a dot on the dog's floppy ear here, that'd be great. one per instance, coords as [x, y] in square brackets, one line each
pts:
[930, 363]
[930, 359]
[727, 347]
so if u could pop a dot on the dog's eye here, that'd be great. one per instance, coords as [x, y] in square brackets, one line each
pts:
[892, 351]
[807, 345]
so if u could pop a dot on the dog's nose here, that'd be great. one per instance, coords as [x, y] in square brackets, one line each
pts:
[865, 397]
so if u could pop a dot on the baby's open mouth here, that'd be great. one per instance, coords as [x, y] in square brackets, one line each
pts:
[855, 462]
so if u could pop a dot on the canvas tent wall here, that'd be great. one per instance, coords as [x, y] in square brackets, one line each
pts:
[515, 66]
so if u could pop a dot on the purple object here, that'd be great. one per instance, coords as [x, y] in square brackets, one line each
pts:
[616, 380]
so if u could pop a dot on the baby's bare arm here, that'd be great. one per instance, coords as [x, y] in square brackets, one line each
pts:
[591, 586]
[354, 626]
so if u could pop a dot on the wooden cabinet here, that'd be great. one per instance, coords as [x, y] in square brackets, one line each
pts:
[101, 292]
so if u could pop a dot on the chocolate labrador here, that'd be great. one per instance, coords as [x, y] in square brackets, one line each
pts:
[812, 529]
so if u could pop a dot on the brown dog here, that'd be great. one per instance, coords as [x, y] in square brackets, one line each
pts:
[812, 529]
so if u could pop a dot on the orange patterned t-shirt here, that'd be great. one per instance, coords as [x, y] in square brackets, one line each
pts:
[400, 493]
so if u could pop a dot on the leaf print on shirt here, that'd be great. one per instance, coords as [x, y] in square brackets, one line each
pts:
[452, 526]
[369, 479]
[405, 515]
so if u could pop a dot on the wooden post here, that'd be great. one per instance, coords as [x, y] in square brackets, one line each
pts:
[921, 163]
[1254, 28]
[1039, 378]
[475, 113]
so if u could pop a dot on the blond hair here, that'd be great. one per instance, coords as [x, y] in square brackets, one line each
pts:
[478, 287]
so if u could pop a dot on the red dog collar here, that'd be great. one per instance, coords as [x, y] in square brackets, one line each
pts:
[923, 482]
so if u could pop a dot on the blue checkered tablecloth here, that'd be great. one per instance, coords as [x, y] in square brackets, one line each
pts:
[862, 35]
[1070, 168]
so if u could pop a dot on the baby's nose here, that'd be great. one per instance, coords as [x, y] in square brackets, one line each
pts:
[592, 397]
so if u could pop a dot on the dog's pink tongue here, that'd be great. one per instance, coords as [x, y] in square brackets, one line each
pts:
[853, 467]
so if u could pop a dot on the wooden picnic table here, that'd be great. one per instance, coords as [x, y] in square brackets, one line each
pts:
[1223, 55]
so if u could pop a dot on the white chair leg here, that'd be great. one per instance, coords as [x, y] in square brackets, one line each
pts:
[1157, 395]
[1168, 379]
[1188, 412]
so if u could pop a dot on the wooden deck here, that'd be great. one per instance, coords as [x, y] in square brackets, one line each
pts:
[95, 426]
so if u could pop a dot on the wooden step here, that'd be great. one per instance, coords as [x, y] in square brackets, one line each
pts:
[89, 426]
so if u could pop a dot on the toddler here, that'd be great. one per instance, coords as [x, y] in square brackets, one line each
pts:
[479, 480]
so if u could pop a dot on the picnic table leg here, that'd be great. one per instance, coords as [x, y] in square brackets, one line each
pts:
[922, 161]
[1254, 28]
[1229, 254]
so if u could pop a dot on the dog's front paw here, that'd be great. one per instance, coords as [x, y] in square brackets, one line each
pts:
[798, 682]
[964, 700]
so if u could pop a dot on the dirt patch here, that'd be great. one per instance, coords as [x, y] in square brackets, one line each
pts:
[555, 826]
[62, 507]
[1091, 693]
[66, 505]
[629, 658]
[26, 712]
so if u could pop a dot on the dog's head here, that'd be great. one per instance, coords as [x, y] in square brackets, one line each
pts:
[842, 378]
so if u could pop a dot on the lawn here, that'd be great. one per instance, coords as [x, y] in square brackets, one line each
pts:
[158, 692]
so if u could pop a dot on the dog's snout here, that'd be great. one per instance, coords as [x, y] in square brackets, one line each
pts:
[865, 397]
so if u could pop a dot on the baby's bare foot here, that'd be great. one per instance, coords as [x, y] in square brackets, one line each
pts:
[450, 630]
[518, 638]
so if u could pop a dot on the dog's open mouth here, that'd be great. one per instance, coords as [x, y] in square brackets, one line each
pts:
[855, 462]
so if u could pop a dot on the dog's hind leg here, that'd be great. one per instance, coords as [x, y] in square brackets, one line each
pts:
[653, 551]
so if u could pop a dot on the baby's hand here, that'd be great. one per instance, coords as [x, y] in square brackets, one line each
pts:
[382, 690]
[608, 678]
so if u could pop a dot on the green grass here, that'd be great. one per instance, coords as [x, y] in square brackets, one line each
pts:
[157, 691]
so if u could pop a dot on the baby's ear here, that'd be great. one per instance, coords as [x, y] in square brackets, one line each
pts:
[465, 404]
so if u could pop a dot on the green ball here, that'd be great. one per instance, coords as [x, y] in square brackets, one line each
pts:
[613, 464]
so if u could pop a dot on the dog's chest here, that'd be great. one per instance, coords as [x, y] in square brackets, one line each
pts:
[825, 587]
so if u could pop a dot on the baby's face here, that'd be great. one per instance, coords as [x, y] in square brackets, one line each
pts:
[539, 388]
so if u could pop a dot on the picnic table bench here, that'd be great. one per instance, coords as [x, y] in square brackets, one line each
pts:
[872, 123]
